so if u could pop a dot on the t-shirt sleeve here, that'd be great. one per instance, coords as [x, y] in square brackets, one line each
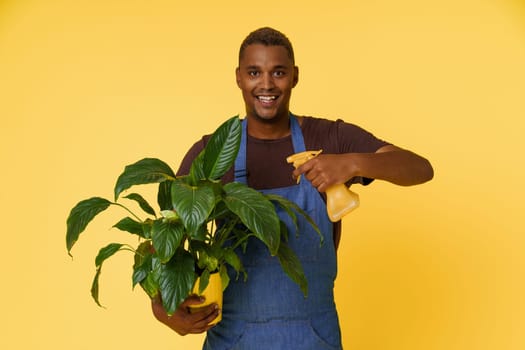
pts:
[341, 137]
[193, 152]
[354, 139]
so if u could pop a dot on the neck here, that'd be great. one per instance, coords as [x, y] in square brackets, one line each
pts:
[268, 130]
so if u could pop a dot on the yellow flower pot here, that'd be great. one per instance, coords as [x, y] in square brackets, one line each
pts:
[212, 295]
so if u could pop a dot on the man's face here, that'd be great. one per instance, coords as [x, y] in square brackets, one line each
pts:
[266, 77]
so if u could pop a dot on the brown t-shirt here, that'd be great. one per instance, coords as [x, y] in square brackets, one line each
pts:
[266, 159]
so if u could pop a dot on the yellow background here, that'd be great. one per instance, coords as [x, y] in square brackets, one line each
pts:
[87, 87]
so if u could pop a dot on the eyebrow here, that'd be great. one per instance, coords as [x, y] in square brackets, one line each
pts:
[273, 68]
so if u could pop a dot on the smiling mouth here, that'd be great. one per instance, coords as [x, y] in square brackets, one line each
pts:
[266, 98]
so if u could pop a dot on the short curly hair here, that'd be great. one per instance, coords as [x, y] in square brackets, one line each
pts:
[268, 37]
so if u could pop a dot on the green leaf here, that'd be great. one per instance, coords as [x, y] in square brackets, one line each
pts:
[142, 203]
[170, 215]
[142, 262]
[202, 255]
[197, 169]
[129, 225]
[256, 212]
[201, 234]
[94, 287]
[292, 267]
[164, 195]
[210, 262]
[80, 216]
[225, 278]
[284, 232]
[291, 207]
[204, 280]
[141, 272]
[106, 252]
[176, 281]
[103, 254]
[207, 257]
[220, 210]
[144, 250]
[193, 203]
[145, 171]
[286, 205]
[146, 228]
[151, 284]
[167, 236]
[232, 259]
[221, 150]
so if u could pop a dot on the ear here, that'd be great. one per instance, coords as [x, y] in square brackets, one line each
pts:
[295, 75]
[238, 76]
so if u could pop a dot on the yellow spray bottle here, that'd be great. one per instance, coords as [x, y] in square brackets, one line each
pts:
[339, 199]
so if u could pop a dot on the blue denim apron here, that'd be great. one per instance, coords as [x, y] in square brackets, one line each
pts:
[269, 311]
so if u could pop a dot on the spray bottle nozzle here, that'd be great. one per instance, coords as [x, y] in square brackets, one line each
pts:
[299, 159]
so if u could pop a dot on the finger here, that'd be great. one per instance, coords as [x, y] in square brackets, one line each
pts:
[205, 313]
[213, 315]
[322, 187]
[297, 172]
[193, 300]
[203, 329]
[304, 168]
[204, 324]
[184, 322]
[320, 183]
[314, 177]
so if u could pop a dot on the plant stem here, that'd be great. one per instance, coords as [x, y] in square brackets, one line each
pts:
[224, 231]
[130, 248]
[240, 241]
[129, 211]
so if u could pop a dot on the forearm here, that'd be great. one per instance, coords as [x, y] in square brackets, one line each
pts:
[392, 164]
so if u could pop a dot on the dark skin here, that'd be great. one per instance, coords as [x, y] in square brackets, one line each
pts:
[266, 76]
[385, 164]
[182, 321]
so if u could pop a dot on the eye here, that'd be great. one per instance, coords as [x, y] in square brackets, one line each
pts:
[253, 73]
[279, 73]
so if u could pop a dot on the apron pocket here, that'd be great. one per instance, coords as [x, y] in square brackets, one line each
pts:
[326, 327]
[283, 335]
[225, 335]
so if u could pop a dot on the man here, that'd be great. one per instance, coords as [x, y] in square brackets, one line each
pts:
[269, 311]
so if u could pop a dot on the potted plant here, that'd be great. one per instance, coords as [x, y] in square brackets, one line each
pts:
[201, 227]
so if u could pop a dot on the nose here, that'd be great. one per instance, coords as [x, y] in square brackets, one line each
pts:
[267, 81]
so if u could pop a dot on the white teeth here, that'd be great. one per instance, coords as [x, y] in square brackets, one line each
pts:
[266, 98]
